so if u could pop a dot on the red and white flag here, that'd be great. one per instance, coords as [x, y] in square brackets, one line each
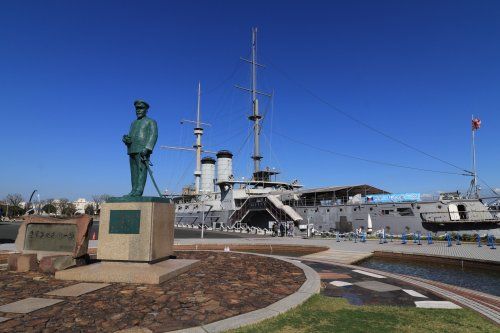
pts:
[476, 124]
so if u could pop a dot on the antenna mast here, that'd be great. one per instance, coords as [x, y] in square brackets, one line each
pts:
[255, 117]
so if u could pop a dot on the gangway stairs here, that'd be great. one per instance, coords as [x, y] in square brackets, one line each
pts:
[271, 204]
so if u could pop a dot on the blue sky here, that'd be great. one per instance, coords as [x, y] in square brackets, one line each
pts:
[415, 70]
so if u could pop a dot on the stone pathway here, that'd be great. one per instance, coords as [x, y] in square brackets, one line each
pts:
[340, 251]
[77, 289]
[360, 287]
[440, 294]
[343, 256]
[224, 285]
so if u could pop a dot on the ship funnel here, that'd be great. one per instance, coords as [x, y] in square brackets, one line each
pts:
[207, 174]
[224, 165]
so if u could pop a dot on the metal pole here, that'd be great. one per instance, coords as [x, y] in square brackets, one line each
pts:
[255, 104]
[202, 217]
[474, 161]
[198, 131]
[198, 105]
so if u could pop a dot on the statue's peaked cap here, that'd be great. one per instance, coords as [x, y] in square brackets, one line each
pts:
[141, 102]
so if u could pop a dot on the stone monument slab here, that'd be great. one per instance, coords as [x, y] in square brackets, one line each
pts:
[138, 229]
[77, 289]
[28, 305]
[47, 236]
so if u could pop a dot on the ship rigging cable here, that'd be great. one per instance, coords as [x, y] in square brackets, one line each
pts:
[337, 109]
[367, 160]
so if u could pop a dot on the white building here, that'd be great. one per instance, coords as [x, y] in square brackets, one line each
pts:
[80, 205]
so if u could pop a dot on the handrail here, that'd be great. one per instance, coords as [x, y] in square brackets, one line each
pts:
[461, 216]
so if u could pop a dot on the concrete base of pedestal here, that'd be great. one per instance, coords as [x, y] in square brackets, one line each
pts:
[128, 272]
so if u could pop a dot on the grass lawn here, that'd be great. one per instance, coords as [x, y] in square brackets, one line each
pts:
[327, 314]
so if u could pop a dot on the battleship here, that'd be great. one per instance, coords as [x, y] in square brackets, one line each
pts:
[219, 200]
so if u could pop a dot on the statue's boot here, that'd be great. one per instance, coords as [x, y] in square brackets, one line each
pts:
[135, 193]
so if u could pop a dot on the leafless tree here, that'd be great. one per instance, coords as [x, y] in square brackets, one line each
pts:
[69, 209]
[89, 209]
[14, 199]
[61, 204]
[98, 199]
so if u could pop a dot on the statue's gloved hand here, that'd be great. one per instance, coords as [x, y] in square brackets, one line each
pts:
[127, 139]
[146, 152]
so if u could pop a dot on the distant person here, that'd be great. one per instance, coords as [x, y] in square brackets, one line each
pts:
[282, 229]
[275, 229]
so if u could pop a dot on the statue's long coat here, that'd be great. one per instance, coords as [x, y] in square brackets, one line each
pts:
[144, 133]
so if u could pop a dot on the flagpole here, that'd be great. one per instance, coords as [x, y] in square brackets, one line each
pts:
[474, 185]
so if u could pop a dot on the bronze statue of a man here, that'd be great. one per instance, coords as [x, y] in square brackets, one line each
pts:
[140, 142]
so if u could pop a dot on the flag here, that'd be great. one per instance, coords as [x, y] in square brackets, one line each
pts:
[476, 123]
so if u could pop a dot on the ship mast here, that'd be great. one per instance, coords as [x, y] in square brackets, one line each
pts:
[255, 117]
[197, 147]
[198, 132]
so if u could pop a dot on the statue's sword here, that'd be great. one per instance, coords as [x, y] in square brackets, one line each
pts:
[148, 163]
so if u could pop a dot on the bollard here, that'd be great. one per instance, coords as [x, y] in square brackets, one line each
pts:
[478, 240]
[459, 242]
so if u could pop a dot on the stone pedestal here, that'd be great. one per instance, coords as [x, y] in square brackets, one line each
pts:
[136, 239]
[136, 229]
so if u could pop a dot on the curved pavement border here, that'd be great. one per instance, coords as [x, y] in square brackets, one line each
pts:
[311, 286]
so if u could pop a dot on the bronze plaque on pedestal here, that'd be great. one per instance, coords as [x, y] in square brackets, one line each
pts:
[124, 221]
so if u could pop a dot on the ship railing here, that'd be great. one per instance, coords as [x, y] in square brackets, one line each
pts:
[461, 216]
[336, 201]
[238, 214]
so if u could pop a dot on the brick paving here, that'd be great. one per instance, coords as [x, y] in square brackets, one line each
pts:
[224, 285]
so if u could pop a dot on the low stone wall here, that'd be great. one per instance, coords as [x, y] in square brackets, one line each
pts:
[275, 249]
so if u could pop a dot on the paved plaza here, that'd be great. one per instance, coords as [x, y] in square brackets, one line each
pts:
[348, 251]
